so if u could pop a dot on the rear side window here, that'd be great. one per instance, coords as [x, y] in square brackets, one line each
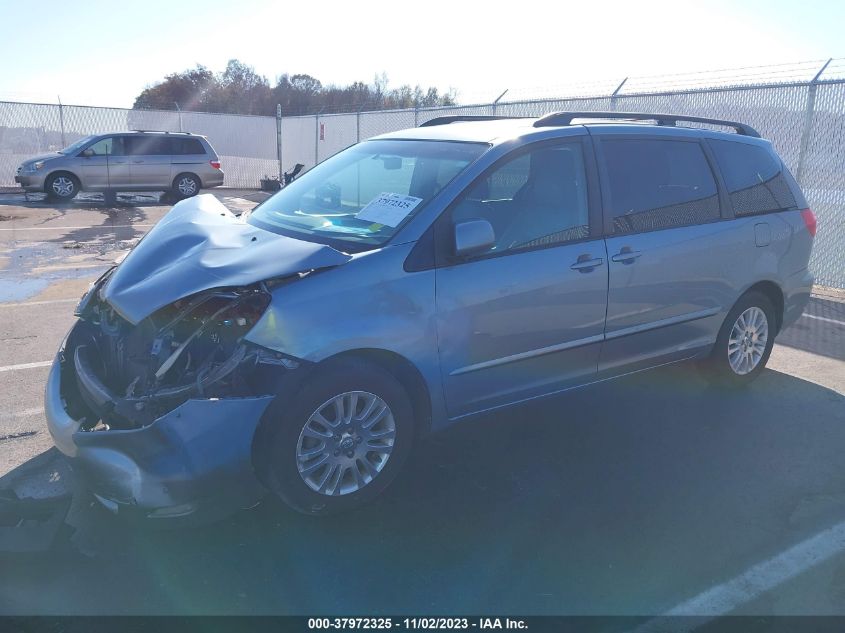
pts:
[184, 146]
[754, 177]
[118, 147]
[148, 145]
[658, 184]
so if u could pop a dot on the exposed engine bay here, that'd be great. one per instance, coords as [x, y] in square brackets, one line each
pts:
[124, 376]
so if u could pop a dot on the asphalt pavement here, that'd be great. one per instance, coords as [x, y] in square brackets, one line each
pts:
[642, 496]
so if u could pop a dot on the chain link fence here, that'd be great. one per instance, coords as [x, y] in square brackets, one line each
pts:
[804, 118]
[804, 121]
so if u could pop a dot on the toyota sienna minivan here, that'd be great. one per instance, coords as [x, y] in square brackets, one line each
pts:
[415, 280]
[177, 162]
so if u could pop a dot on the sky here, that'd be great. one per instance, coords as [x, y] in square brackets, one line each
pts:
[95, 52]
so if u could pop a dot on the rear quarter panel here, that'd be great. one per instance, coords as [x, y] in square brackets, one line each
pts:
[782, 261]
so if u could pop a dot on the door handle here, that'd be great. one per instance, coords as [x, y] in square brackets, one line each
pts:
[586, 263]
[627, 255]
[119, 162]
[137, 161]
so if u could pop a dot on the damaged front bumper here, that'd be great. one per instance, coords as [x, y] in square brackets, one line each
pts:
[195, 460]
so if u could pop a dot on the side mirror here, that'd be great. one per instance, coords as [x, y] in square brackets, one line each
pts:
[87, 153]
[473, 236]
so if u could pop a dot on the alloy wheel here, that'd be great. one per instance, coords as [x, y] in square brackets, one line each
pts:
[187, 186]
[345, 443]
[747, 341]
[63, 187]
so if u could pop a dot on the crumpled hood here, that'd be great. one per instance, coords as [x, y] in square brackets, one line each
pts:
[201, 245]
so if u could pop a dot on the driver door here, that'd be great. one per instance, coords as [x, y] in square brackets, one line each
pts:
[525, 317]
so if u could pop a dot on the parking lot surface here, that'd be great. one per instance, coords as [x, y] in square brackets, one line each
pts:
[646, 495]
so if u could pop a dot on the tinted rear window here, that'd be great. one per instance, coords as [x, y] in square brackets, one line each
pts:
[183, 146]
[754, 178]
[658, 184]
[148, 145]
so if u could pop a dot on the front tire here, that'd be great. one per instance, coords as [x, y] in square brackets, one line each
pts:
[62, 186]
[341, 441]
[744, 343]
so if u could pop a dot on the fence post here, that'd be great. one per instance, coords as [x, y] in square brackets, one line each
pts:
[279, 140]
[496, 102]
[317, 137]
[358, 122]
[615, 94]
[62, 120]
[809, 116]
[179, 110]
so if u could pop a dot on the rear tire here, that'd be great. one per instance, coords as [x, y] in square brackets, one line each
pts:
[332, 449]
[62, 186]
[186, 186]
[744, 343]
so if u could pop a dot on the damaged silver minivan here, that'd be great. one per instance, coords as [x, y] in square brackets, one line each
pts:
[414, 280]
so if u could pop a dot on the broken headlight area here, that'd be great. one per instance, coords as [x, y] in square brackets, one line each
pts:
[117, 375]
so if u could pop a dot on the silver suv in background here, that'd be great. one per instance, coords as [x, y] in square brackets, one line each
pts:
[125, 161]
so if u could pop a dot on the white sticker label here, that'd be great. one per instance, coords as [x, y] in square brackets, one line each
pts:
[388, 208]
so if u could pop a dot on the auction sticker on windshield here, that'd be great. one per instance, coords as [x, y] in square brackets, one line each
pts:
[388, 208]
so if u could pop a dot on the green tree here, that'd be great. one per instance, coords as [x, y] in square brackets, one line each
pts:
[188, 89]
[240, 90]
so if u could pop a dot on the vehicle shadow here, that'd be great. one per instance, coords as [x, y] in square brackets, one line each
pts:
[820, 331]
[618, 499]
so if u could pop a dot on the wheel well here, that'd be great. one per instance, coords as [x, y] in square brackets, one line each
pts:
[58, 172]
[398, 366]
[406, 373]
[185, 173]
[773, 292]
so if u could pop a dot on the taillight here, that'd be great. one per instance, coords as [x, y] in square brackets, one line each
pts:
[810, 221]
[214, 163]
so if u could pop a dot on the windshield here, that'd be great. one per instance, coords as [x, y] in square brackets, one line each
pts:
[361, 196]
[75, 147]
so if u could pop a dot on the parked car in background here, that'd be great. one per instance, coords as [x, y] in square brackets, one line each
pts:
[125, 161]
[415, 280]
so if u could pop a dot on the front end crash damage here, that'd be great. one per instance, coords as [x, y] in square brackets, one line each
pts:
[159, 417]
[156, 394]
[130, 375]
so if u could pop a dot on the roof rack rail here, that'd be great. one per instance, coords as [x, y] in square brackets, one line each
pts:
[565, 118]
[445, 120]
[162, 132]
